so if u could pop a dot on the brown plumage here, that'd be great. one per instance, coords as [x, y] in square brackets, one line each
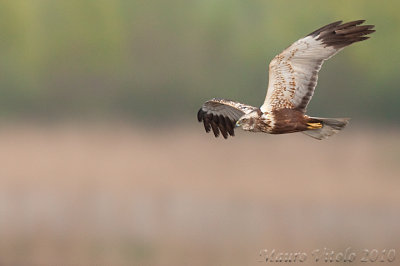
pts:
[293, 76]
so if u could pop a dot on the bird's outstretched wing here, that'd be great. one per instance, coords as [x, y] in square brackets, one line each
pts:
[293, 73]
[221, 115]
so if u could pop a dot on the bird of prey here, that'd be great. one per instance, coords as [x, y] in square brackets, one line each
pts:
[293, 77]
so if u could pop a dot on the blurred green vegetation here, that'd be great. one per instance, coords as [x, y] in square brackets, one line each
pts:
[161, 59]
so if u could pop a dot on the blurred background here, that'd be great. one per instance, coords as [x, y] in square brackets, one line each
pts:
[103, 161]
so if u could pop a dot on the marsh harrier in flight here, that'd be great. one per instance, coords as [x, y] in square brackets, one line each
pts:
[293, 77]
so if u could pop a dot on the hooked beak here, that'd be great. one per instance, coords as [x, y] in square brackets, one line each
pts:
[237, 124]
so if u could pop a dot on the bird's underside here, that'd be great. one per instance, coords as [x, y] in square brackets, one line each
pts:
[293, 77]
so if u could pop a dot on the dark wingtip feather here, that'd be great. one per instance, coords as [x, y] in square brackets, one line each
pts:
[341, 35]
[216, 119]
[326, 27]
[206, 123]
[230, 127]
[352, 30]
[369, 31]
[351, 23]
[222, 126]
[200, 115]
[214, 128]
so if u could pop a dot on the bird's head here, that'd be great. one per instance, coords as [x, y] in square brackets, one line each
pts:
[248, 121]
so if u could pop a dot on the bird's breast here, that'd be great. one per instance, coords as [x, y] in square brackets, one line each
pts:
[267, 122]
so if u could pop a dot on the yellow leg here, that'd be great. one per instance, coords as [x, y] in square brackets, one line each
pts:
[314, 125]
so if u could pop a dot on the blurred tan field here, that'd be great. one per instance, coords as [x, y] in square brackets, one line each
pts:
[115, 194]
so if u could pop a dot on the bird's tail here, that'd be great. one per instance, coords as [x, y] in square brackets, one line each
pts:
[322, 128]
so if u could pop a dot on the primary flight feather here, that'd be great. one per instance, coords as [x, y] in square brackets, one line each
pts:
[293, 76]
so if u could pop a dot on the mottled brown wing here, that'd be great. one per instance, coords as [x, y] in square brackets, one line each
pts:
[221, 115]
[293, 73]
